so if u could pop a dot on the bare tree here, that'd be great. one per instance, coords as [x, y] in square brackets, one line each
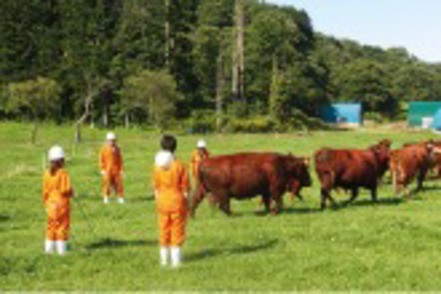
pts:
[220, 81]
[93, 87]
[238, 53]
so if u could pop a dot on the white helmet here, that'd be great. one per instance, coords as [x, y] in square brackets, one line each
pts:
[56, 153]
[202, 144]
[111, 136]
[163, 159]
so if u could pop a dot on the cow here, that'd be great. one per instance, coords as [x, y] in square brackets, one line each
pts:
[351, 170]
[246, 175]
[410, 162]
[434, 158]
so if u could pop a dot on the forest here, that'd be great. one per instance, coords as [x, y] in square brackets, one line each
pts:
[211, 65]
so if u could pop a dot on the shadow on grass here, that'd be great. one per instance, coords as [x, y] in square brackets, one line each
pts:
[246, 249]
[301, 210]
[4, 217]
[112, 243]
[427, 189]
[368, 202]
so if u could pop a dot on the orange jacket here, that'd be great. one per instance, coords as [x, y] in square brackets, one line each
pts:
[57, 187]
[196, 157]
[111, 160]
[171, 186]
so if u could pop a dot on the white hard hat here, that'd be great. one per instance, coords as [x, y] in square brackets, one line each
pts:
[56, 153]
[163, 159]
[111, 136]
[202, 144]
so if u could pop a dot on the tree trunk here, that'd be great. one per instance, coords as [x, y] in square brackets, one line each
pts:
[219, 90]
[127, 120]
[34, 131]
[238, 53]
[105, 115]
[92, 122]
[167, 33]
[91, 91]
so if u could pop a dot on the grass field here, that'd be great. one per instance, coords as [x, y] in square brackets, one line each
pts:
[394, 245]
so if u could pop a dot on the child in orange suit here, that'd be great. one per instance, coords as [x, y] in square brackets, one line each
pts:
[111, 163]
[57, 191]
[171, 193]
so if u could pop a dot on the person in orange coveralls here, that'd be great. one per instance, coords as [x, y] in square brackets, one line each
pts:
[57, 191]
[171, 193]
[197, 156]
[111, 164]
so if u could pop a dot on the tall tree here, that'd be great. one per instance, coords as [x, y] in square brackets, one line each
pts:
[238, 68]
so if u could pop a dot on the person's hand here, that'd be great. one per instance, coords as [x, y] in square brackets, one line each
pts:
[103, 173]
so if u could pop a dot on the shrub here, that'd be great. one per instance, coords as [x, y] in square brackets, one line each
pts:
[201, 121]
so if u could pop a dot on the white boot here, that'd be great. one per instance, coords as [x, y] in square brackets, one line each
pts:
[175, 256]
[105, 199]
[49, 247]
[163, 253]
[61, 247]
[120, 200]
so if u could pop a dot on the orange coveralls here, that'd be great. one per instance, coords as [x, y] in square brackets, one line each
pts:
[57, 191]
[111, 163]
[171, 204]
[196, 158]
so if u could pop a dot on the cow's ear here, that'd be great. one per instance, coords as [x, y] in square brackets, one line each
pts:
[430, 146]
[307, 161]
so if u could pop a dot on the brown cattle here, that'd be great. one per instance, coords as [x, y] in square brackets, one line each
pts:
[409, 162]
[247, 175]
[434, 158]
[351, 170]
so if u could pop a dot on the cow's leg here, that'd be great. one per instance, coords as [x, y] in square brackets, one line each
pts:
[323, 193]
[326, 195]
[224, 203]
[327, 183]
[420, 179]
[266, 199]
[279, 204]
[354, 194]
[374, 194]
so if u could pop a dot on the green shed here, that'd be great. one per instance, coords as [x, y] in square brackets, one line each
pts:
[421, 109]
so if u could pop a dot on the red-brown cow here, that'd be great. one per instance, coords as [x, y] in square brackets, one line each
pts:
[411, 161]
[351, 170]
[434, 158]
[248, 175]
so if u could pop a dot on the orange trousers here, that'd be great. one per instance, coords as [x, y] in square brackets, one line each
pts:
[172, 228]
[112, 182]
[58, 221]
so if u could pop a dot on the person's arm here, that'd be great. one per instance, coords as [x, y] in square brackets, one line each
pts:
[121, 163]
[156, 182]
[102, 162]
[184, 182]
[65, 186]
[45, 190]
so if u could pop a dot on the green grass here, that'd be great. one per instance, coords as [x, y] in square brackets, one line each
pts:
[394, 245]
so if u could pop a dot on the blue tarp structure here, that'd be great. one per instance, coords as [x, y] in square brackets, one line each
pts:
[345, 113]
[436, 124]
[418, 110]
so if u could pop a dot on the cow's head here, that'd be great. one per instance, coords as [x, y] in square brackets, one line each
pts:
[382, 153]
[299, 176]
